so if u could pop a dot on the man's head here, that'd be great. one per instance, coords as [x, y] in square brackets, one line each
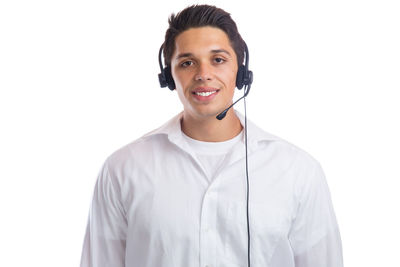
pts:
[203, 50]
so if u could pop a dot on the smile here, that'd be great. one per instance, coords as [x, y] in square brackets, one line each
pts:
[205, 93]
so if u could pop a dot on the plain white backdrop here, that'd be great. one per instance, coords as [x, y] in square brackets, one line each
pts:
[78, 80]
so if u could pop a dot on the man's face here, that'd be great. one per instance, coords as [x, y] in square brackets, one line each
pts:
[204, 68]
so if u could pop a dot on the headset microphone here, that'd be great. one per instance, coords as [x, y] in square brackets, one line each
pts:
[223, 113]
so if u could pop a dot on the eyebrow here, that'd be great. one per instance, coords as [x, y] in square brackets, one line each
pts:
[214, 51]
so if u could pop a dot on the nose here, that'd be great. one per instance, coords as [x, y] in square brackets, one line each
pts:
[204, 72]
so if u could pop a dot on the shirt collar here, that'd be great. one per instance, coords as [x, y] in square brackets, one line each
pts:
[172, 129]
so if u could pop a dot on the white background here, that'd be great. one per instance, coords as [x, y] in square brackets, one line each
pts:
[78, 80]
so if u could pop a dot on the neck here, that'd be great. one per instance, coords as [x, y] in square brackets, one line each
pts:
[210, 129]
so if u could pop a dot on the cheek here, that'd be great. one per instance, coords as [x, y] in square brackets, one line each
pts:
[231, 78]
[182, 98]
[180, 79]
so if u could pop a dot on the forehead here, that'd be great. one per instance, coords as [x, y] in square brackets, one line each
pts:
[202, 40]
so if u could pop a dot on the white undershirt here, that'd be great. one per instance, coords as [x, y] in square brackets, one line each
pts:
[212, 154]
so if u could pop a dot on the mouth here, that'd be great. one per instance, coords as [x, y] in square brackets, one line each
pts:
[204, 93]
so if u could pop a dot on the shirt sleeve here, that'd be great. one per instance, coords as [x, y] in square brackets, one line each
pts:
[314, 234]
[105, 239]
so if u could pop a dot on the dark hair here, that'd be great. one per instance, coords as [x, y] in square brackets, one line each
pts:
[196, 16]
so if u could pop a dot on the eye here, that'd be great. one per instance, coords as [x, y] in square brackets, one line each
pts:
[219, 60]
[186, 63]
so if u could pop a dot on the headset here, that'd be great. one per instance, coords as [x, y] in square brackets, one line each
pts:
[244, 77]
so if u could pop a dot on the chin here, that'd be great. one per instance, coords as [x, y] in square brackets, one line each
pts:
[205, 113]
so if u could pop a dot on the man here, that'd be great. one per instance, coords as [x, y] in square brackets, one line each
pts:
[177, 196]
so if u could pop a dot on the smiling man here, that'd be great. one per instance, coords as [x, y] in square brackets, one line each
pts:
[177, 196]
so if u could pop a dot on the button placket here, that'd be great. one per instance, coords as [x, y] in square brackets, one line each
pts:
[207, 236]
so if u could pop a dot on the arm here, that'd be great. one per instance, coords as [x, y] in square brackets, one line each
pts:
[314, 235]
[105, 238]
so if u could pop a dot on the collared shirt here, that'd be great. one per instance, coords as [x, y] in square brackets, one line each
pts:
[154, 206]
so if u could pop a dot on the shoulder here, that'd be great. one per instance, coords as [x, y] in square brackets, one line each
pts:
[135, 152]
[280, 150]
[275, 147]
[145, 149]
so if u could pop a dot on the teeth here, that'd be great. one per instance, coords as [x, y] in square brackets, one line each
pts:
[205, 93]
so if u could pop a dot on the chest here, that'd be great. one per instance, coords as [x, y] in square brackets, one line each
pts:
[177, 202]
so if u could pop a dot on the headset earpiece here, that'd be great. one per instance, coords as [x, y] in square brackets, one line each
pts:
[244, 76]
[162, 79]
[170, 80]
[241, 77]
[165, 76]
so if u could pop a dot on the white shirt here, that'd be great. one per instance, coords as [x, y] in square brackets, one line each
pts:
[154, 206]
